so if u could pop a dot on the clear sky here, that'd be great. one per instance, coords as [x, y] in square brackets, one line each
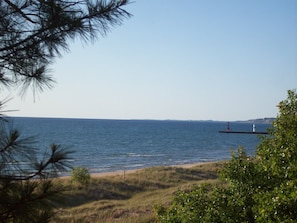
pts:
[187, 60]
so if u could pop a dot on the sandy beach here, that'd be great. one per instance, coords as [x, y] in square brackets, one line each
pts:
[124, 172]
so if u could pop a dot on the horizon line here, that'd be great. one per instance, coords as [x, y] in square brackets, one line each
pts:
[144, 119]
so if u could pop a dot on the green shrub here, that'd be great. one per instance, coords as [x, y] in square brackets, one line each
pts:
[80, 175]
[257, 189]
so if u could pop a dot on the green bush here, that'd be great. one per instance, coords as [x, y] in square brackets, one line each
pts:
[80, 175]
[257, 189]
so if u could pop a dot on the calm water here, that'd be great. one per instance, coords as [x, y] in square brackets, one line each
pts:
[110, 145]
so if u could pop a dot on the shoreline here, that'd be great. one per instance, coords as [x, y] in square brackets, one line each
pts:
[124, 172]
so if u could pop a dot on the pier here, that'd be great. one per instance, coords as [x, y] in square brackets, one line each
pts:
[228, 130]
[244, 132]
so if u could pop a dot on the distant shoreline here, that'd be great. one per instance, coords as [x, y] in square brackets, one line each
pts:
[257, 121]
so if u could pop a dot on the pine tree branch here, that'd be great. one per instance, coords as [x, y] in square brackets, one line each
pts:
[111, 13]
[18, 10]
[56, 162]
[28, 196]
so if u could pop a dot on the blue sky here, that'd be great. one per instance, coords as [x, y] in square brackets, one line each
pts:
[187, 60]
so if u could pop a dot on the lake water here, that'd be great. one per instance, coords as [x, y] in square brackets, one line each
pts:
[111, 145]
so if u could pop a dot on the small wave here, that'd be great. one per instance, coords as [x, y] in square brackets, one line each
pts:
[144, 155]
[134, 165]
[98, 170]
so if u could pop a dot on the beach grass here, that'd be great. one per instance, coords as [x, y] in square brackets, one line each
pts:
[130, 196]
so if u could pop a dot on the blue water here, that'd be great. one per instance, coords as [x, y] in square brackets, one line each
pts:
[111, 145]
